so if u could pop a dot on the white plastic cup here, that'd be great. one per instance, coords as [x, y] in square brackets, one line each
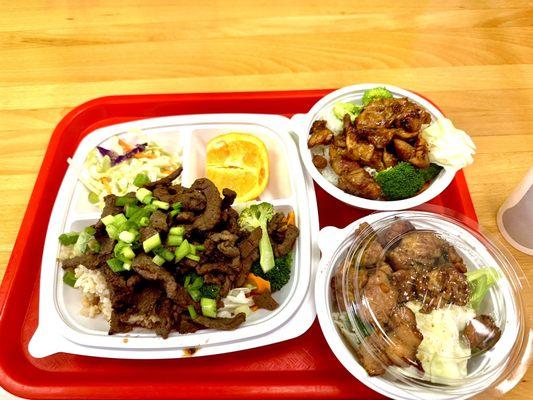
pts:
[515, 216]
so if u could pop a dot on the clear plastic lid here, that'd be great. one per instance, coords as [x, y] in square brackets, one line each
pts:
[433, 304]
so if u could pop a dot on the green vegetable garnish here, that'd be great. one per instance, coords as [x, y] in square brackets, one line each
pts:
[69, 278]
[152, 243]
[93, 198]
[430, 172]
[480, 281]
[210, 291]
[277, 276]
[116, 265]
[258, 215]
[341, 109]
[182, 251]
[400, 182]
[375, 93]
[192, 311]
[209, 307]
[141, 180]
[67, 239]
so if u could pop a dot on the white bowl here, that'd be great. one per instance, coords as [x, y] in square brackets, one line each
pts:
[302, 124]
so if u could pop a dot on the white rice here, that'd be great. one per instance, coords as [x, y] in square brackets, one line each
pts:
[95, 293]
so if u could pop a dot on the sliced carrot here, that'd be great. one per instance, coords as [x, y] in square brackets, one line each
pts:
[254, 308]
[105, 182]
[291, 219]
[261, 284]
[125, 146]
[166, 170]
[144, 155]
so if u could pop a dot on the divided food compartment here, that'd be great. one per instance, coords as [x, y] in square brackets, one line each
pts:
[491, 372]
[302, 123]
[60, 304]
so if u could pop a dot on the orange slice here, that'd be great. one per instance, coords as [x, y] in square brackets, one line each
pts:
[238, 161]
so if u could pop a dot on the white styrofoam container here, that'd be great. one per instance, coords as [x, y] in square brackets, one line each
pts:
[61, 327]
[302, 125]
[334, 244]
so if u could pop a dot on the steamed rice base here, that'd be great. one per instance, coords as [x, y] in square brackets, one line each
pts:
[95, 293]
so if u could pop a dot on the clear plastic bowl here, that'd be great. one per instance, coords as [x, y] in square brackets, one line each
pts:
[355, 312]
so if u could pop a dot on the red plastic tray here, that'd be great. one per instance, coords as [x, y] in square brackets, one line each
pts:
[302, 367]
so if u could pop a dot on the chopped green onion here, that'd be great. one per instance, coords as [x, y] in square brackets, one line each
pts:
[128, 253]
[115, 264]
[66, 239]
[125, 201]
[161, 204]
[144, 195]
[126, 266]
[131, 209]
[141, 180]
[69, 278]
[144, 221]
[150, 207]
[158, 260]
[195, 294]
[119, 219]
[173, 240]
[192, 311]
[177, 230]
[200, 247]
[176, 206]
[93, 245]
[127, 236]
[209, 307]
[93, 198]
[197, 283]
[182, 250]
[193, 257]
[187, 281]
[165, 253]
[112, 231]
[173, 213]
[108, 220]
[192, 250]
[151, 243]
[90, 230]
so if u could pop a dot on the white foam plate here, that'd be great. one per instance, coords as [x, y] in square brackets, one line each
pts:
[62, 328]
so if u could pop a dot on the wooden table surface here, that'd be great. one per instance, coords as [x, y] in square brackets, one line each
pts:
[473, 58]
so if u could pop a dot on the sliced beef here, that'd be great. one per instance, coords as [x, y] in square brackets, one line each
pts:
[106, 244]
[265, 300]
[191, 200]
[206, 268]
[91, 261]
[283, 248]
[120, 292]
[276, 224]
[158, 221]
[229, 198]
[212, 212]
[249, 249]
[223, 324]
[186, 325]
[110, 207]
[225, 242]
[229, 220]
[185, 217]
[166, 181]
[144, 266]
[482, 332]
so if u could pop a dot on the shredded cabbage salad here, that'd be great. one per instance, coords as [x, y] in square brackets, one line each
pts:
[101, 177]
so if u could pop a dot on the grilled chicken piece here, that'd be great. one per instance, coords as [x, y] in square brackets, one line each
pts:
[396, 229]
[420, 158]
[359, 183]
[319, 161]
[404, 150]
[339, 163]
[389, 159]
[359, 150]
[416, 249]
[404, 338]
[482, 333]
[320, 134]
[379, 296]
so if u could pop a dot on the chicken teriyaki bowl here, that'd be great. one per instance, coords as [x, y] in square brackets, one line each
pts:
[426, 305]
[380, 147]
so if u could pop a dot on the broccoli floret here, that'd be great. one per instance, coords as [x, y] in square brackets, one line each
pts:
[277, 276]
[400, 182]
[430, 172]
[341, 109]
[210, 291]
[258, 215]
[376, 93]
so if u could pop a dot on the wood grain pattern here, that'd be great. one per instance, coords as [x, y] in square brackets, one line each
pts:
[473, 58]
